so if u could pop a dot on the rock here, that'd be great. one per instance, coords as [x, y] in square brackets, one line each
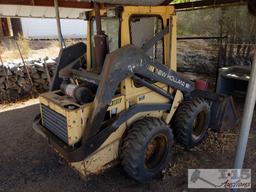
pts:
[2, 73]
[2, 79]
[40, 69]
[22, 81]
[38, 64]
[46, 58]
[8, 72]
[12, 67]
[3, 96]
[33, 69]
[12, 79]
[27, 88]
[45, 86]
[40, 81]
[35, 76]
[50, 62]
[19, 72]
[44, 76]
[13, 86]
[13, 94]
[2, 86]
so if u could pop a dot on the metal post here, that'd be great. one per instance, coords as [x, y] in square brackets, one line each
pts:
[57, 14]
[247, 118]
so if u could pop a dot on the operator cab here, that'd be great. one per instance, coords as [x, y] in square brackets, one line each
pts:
[139, 29]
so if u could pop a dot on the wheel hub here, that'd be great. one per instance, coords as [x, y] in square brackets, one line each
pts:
[155, 151]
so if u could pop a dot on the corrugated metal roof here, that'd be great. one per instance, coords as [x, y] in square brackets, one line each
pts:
[207, 3]
[49, 3]
[39, 11]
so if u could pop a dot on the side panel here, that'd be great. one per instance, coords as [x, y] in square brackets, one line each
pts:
[130, 90]
[101, 159]
[77, 118]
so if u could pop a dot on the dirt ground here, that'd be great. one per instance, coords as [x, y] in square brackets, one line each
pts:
[28, 164]
[32, 49]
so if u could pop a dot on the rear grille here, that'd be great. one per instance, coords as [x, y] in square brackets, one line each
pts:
[55, 122]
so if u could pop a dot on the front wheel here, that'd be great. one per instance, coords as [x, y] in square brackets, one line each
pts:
[146, 150]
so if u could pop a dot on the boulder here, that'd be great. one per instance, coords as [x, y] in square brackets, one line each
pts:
[2, 79]
[35, 76]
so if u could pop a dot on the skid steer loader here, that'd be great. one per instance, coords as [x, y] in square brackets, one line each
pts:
[119, 97]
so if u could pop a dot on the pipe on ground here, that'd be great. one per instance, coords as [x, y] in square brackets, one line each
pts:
[131, 2]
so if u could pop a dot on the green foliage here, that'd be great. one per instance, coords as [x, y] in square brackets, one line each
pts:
[202, 22]
[234, 22]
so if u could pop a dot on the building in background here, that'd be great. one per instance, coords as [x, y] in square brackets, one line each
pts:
[37, 28]
[39, 22]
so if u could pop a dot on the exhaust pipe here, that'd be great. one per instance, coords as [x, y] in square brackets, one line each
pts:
[100, 39]
[131, 2]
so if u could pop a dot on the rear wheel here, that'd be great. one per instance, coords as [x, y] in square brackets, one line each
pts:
[191, 122]
[146, 150]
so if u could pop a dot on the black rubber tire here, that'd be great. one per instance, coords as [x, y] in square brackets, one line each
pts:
[135, 145]
[184, 120]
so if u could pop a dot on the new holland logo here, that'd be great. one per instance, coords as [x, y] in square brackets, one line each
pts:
[170, 77]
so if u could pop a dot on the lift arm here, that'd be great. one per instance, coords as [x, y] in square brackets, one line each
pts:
[127, 62]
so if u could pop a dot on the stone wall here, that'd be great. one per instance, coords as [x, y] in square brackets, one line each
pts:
[19, 81]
